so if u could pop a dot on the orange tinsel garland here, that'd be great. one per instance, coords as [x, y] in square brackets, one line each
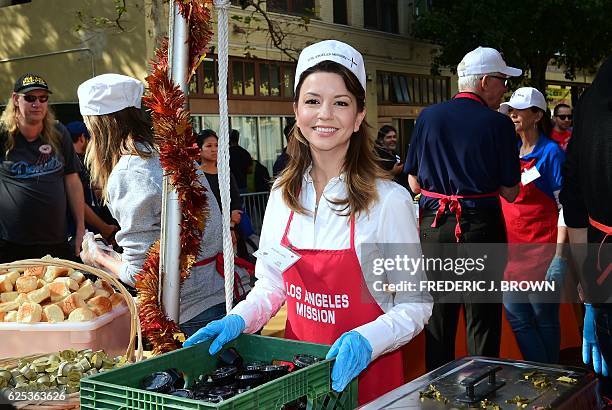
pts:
[178, 154]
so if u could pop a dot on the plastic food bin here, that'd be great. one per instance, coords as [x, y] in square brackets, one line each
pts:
[120, 388]
[109, 332]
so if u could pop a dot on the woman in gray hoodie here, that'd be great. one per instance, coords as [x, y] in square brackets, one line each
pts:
[124, 164]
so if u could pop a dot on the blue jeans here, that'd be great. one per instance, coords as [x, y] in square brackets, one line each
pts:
[537, 330]
[603, 330]
[212, 313]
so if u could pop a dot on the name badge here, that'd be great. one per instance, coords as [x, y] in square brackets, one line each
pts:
[278, 256]
[529, 175]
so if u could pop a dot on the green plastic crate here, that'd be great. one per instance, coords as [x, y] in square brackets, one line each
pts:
[119, 388]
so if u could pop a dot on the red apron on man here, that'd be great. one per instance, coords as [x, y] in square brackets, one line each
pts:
[326, 297]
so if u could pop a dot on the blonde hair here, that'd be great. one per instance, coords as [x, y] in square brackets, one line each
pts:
[360, 166]
[112, 135]
[49, 135]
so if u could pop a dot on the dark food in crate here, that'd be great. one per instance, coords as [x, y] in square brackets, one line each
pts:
[230, 357]
[249, 380]
[163, 382]
[304, 360]
[183, 393]
[159, 382]
[274, 371]
[219, 394]
[224, 376]
[230, 379]
[254, 367]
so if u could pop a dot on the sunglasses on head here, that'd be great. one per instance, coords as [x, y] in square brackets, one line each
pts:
[32, 98]
[564, 117]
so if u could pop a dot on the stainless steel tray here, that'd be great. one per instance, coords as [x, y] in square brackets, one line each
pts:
[497, 380]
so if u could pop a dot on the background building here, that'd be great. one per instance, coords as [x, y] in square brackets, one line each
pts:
[69, 41]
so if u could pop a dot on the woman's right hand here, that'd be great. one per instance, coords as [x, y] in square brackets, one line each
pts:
[236, 216]
[222, 331]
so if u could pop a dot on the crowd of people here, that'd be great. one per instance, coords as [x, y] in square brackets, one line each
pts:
[484, 172]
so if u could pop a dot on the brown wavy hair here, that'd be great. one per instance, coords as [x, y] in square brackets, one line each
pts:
[49, 135]
[114, 135]
[360, 167]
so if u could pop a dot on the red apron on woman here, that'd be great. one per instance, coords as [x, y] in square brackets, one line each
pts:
[532, 218]
[327, 296]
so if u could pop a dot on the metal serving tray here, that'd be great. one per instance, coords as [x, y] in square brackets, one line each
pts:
[466, 382]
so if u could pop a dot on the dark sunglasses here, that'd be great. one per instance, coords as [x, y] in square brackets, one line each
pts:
[564, 117]
[32, 98]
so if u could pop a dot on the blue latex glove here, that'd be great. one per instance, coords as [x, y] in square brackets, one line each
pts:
[556, 271]
[590, 346]
[353, 354]
[223, 331]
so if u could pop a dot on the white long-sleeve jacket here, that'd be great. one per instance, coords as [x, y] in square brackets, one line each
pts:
[390, 220]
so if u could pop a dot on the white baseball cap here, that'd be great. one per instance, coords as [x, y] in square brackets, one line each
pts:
[524, 97]
[331, 50]
[109, 93]
[484, 60]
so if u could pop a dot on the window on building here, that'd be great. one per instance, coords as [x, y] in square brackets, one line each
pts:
[247, 78]
[340, 12]
[295, 7]
[411, 89]
[421, 7]
[269, 80]
[381, 15]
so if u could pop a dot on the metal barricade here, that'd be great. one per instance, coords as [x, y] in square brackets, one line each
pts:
[255, 205]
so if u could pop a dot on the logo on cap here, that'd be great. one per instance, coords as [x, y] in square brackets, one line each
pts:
[32, 79]
[29, 82]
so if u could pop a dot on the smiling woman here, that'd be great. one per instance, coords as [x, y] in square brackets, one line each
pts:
[330, 201]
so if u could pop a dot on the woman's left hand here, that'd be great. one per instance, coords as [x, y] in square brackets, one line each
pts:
[556, 270]
[353, 354]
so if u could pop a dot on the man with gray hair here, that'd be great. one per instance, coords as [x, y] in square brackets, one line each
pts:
[463, 155]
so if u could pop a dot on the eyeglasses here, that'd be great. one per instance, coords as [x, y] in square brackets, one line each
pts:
[32, 98]
[503, 79]
[564, 117]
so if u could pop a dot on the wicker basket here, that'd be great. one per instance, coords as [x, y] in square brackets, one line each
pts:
[134, 352]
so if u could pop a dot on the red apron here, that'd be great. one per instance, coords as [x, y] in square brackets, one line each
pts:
[454, 205]
[239, 291]
[531, 219]
[604, 273]
[327, 296]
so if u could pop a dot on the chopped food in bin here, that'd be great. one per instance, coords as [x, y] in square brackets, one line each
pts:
[519, 401]
[433, 393]
[567, 379]
[57, 371]
[488, 404]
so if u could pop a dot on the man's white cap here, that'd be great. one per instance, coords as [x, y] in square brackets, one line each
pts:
[331, 50]
[109, 93]
[524, 97]
[485, 60]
